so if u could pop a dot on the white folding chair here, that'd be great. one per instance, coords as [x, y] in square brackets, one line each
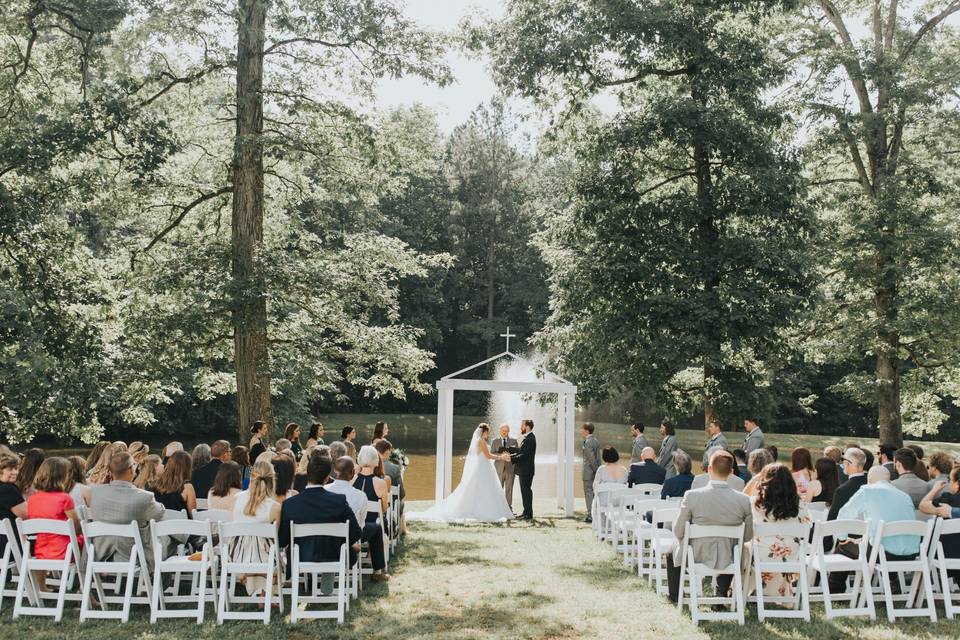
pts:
[696, 572]
[180, 563]
[10, 564]
[940, 564]
[201, 504]
[860, 596]
[661, 543]
[394, 510]
[213, 515]
[601, 497]
[648, 489]
[634, 524]
[311, 572]
[610, 515]
[760, 563]
[132, 570]
[886, 569]
[68, 568]
[230, 534]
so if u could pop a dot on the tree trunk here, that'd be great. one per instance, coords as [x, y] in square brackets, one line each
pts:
[888, 363]
[251, 356]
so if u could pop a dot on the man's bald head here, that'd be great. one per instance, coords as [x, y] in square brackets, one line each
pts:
[877, 474]
[344, 468]
[648, 454]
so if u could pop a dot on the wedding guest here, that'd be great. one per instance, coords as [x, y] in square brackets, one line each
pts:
[258, 434]
[337, 450]
[173, 489]
[100, 474]
[611, 471]
[905, 461]
[678, 485]
[754, 439]
[647, 471]
[80, 492]
[756, 461]
[170, 449]
[343, 473]
[292, 433]
[317, 432]
[240, 456]
[205, 475]
[29, 466]
[802, 464]
[284, 470]
[201, 456]
[51, 500]
[282, 445]
[12, 504]
[226, 486]
[256, 504]
[741, 469]
[777, 500]
[939, 466]
[825, 482]
[714, 504]
[380, 431]
[668, 446]
[774, 452]
[854, 460]
[590, 454]
[835, 454]
[351, 449]
[148, 471]
[639, 441]
[139, 451]
[348, 434]
[375, 488]
[920, 470]
[300, 476]
[943, 500]
[94, 456]
[733, 481]
[318, 505]
[716, 442]
[885, 453]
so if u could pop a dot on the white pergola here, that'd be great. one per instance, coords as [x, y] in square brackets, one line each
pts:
[552, 383]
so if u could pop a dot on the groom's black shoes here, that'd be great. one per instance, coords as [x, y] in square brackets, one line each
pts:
[524, 516]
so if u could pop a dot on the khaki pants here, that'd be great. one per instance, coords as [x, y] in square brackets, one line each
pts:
[506, 476]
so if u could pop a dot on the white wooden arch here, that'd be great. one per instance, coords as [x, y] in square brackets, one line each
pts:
[552, 383]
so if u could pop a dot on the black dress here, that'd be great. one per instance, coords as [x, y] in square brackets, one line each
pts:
[10, 497]
[256, 450]
[172, 501]
[365, 484]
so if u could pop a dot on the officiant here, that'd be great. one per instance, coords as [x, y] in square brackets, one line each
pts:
[505, 471]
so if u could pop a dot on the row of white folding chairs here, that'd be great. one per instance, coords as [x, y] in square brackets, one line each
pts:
[611, 512]
[84, 568]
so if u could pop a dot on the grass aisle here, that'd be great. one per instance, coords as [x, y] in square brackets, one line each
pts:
[548, 579]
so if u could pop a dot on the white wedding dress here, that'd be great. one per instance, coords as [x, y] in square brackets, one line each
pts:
[478, 498]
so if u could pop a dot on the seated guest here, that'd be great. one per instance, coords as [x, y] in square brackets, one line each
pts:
[733, 481]
[853, 464]
[835, 454]
[939, 467]
[777, 500]
[94, 456]
[147, 471]
[877, 501]
[351, 448]
[200, 456]
[774, 452]
[825, 484]
[226, 487]
[885, 453]
[943, 500]
[173, 489]
[647, 471]
[742, 471]
[12, 504]
[921, 469]
[29, 466]
[344, 467]
[375, 488]
[256, 504]
[100, 474]
[204, 475]
[611, 470]
[282, 445]
[139, 451]
[679, 484]
[300, 475]
[715, 504]
[905, 461]
[337, 450]
[51, 500]
[170, 449]
[802, 464]
[120, 502]
[241, 456]
[756, 461]
[317, 505]
[80, 491]
[283, 467]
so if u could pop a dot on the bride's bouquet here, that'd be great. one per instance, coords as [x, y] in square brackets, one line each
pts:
[397, 456]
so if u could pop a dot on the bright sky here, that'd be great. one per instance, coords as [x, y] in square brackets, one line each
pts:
[472, 85]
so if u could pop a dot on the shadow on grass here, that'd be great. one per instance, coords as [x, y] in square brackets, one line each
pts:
[605, 575]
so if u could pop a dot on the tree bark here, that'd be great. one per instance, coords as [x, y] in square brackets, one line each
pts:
[251, 356]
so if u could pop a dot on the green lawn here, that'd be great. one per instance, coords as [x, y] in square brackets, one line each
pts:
[549, 579]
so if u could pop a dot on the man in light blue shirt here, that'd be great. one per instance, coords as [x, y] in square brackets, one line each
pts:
[878, 501]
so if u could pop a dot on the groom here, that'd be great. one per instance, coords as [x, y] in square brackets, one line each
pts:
[523, 463]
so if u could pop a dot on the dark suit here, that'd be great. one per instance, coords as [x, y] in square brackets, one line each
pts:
[843, 494]
[677, 486]
[524, 464]
[646, 472]
[202, 479]
[316, 505]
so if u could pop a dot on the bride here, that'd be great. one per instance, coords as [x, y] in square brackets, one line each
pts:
[479, 496]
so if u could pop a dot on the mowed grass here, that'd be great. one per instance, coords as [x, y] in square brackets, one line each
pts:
[545, 580]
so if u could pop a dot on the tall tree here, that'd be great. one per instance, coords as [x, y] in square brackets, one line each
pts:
[882, 96]
[683, 253]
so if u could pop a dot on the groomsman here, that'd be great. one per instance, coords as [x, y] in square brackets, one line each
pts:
[591, 462]
[667, 447]
[717, 441]
[505, 470]
[639, 442]
[754, 439]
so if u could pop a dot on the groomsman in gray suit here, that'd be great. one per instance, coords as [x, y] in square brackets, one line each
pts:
[504, 444]
[717, 441]
[591, 462]
[667, 448]
[754, 439]
[639, 442]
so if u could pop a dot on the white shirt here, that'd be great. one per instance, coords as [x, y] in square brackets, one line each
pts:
[355, 498]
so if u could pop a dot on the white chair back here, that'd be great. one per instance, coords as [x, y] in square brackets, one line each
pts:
[301, 570]
[231, 534]
[886, 569]
[133, 570]
[213, 515]
[69, 567]
[798, 604]
[648, 489]
[201, 504]
[178, 563]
